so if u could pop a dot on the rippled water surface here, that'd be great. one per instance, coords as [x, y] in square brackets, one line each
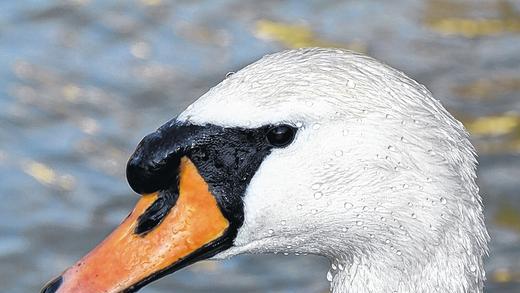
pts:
[82, 81]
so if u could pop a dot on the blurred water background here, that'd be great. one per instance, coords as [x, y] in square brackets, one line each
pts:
[81, 82]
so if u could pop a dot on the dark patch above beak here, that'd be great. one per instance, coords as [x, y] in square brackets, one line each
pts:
[178, 169]
[227, 159]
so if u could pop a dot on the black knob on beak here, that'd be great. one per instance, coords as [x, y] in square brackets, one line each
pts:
[154, 165]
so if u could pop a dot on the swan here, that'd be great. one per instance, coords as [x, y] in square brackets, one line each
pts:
[307, 151]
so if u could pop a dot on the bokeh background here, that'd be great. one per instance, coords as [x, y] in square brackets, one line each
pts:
[81, 82]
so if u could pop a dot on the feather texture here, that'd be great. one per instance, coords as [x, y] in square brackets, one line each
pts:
[380, 178]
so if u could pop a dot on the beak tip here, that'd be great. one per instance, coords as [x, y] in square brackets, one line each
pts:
[53, 285]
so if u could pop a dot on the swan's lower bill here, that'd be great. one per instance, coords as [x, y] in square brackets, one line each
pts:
[141, 250]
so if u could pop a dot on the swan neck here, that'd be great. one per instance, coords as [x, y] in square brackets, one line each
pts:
[446, 266]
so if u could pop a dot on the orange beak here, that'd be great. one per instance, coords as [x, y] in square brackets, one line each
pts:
[126, 260]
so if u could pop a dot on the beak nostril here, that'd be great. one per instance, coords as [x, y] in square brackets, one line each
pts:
[156, 212]
[53, 285]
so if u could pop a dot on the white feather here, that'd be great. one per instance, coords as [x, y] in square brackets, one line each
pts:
[380, 178]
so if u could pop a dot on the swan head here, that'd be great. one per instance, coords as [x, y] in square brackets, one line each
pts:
[317, 151]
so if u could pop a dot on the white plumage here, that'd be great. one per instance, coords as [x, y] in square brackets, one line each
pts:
[380, 178]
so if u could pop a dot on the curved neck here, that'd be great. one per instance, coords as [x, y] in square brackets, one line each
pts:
[447, 266]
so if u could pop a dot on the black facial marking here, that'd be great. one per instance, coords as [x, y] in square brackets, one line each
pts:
[53, 285]
[157, 211]
[235, 156]
[226, 158]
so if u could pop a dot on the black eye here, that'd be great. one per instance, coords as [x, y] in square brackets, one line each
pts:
[281, 135]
